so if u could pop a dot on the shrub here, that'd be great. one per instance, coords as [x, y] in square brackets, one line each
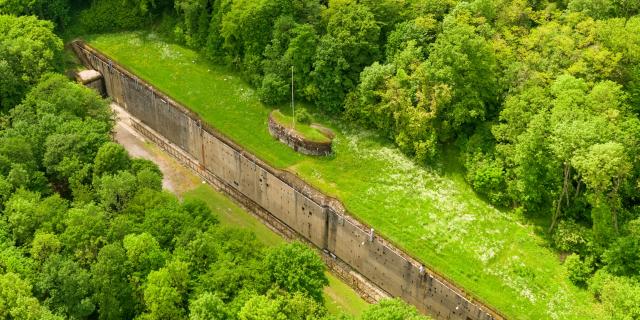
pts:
[486, 175]
[111, 15]
[392, 309]
[274, 90]
[572, 237]
[579, 271]
[623, 256]
[620, 296]
[303, 116]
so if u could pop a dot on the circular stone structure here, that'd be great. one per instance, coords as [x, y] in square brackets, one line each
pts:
[299, 143]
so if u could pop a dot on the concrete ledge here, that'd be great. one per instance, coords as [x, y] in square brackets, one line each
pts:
[92, 79]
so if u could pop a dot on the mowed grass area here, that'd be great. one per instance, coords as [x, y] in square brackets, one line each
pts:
[435, 217]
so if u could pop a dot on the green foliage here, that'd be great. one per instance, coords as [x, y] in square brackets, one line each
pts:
[207, 307]
[570, 236]
[113, 15]
[113, 294]
[17, 301]
[579, 270]
[64, 286]
[623, 256]
[303, 116]
[273, 306]
[45, 245]
[28, 49]
[57, 11]
[273, 89]
[165, 291]
[422, 31]
[350, 44]
[115, 191]
[143, 254]
[392, 309]
[296, 268]
[619, 295]
[110, 159]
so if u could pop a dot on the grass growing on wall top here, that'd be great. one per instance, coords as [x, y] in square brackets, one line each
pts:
[435, 217]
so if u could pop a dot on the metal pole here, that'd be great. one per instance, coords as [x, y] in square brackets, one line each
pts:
[293, 108]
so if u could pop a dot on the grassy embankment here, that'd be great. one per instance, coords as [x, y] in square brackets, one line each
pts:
[434, 216]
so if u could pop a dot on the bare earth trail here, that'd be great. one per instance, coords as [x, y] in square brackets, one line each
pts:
[177, 179]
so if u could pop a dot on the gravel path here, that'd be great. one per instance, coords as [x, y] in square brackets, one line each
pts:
[177, 179]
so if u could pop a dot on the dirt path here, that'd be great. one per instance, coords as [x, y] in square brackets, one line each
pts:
[177, 178]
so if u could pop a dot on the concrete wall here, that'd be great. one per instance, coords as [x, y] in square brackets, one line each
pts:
[282, 198]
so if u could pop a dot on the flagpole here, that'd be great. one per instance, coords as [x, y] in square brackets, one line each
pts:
[293, 108]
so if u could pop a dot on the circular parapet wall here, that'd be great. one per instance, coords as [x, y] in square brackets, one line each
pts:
[299, 143]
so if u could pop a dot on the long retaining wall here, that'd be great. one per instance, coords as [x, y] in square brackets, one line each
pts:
[281, 198]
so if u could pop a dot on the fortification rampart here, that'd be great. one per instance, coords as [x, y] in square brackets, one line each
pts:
[282, 199]
[294, 140]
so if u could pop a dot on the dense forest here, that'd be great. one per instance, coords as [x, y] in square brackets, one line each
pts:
[86, 232]
[539, 101]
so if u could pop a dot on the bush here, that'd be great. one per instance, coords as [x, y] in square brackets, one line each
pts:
[274, 90]
[579, 271]
[486, 175]
[303, 116]
[623, 256]
[620, 296]
[392, 309]
[572, 237]
[111, 15]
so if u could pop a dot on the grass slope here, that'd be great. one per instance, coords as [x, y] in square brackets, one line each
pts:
[436, 217]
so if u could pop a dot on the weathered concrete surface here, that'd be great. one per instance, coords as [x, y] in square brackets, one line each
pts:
[281, 198]
[93, 80]
[176, 178]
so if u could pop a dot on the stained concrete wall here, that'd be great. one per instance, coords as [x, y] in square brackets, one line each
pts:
[282, 197]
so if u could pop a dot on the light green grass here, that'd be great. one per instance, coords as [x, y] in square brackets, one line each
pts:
[436, 217]
[339, 298]
[306, 131]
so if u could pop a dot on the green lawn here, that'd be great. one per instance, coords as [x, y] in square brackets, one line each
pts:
[434, 216]
[338, 296]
